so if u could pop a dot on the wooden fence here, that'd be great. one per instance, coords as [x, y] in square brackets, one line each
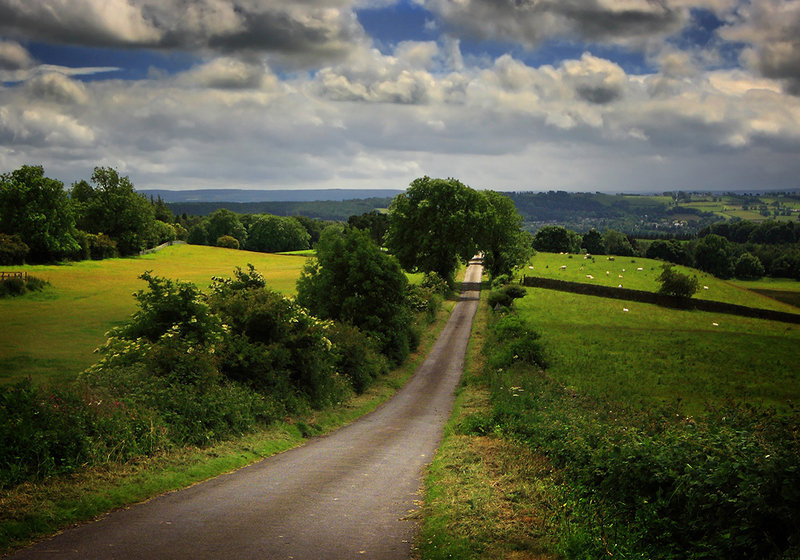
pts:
[7, 275]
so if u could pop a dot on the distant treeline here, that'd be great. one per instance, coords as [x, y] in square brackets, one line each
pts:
[320, 209]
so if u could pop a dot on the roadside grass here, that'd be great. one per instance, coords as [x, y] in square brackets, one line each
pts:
[649, 355]
[34, 510]
[625, 271]
[485, 497]
[50, 336]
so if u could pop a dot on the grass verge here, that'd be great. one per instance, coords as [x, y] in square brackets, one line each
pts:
[485, 497]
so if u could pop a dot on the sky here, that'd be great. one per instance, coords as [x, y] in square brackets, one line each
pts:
[525, 95]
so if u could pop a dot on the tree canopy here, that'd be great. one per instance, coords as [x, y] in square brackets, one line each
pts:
[36, 208]
[438, 223]
[353, 281]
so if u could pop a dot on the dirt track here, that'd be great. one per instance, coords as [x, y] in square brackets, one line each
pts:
[346, 495]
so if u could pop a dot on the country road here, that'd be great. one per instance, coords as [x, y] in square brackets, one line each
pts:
[345, 495]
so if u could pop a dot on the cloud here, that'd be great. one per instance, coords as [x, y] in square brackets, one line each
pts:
[532, 22]
[13, 56]
[58, 88]
[229, 73]
[771, 28]
[296, 32]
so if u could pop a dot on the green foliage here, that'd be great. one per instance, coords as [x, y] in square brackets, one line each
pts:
[504, 243]
[224, 222]
[274, 234]
[169, 306]
[112, 207]
[557, 239]
[748, 267]
[432, 225]
[16, 286]
[505, 296]
[376, 223]
[670, 250]
[616, 243]
[12, 249]
[592, 241]
[198, 234]
[650, 483]
[356, 356]
[228, 242]
[676, 283]
[714, 254]
[354, 282]
[36, 209]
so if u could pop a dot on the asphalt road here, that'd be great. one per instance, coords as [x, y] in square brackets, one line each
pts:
[345, 495]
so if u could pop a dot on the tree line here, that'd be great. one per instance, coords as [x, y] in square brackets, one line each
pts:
[740, 249]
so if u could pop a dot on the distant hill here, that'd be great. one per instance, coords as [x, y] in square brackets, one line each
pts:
[337, 210]
[288, 195]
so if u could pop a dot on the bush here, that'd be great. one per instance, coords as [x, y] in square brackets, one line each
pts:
[228, 242]
[356, 356]
[675, 283]
[505, 296]
[12, 250]
[17, 286]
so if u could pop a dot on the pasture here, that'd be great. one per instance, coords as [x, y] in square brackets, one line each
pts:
[641, 274]
[644, 355]
[50, 336]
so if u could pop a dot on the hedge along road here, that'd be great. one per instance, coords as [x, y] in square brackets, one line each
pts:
[346, 495]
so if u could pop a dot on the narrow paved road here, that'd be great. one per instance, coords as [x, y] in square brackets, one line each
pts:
[346, 495]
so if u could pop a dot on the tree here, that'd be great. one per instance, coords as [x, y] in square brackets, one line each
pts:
[376, 223]
[557, 239]
[670, 250]
[617, 243]
[675, 283]
[501, 238]
[114, 208]
[273, 234]
[224, 222]
[748, 267]
[353, 281]
[593, 242]
[37, 209]
[432, 226]
[714, 254]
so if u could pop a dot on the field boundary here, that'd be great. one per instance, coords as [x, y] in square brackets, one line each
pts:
[663, 300]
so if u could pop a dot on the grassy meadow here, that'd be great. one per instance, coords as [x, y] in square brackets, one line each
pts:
[51, 335]
[638, 273]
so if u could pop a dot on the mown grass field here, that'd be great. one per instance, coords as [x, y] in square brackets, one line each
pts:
[51, 336]
[643, 354]
[641, 274]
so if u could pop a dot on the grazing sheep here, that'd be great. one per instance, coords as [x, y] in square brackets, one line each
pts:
[705, 287]
[625, 309]
[563, 267]
[590, 277]
[640, 268]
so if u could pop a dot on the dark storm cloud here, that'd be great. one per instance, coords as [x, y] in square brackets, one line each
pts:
[533, 21]
[305, 31]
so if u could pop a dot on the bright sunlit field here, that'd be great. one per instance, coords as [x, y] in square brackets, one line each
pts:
[51, 336]
[641, 274]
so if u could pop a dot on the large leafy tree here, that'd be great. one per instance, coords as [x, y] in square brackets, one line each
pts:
[353, 281]
[503, 241]
[37, 210]
[714, 254]
[114, 208]
[273, 234]
[557, 239]
[433, 225]
[224, 222]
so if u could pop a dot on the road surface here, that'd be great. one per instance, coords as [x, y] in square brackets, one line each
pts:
[345, 495]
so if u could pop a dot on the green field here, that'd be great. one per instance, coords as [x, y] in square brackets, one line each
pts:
[51, 336]
[625, 271]
[644, 355]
